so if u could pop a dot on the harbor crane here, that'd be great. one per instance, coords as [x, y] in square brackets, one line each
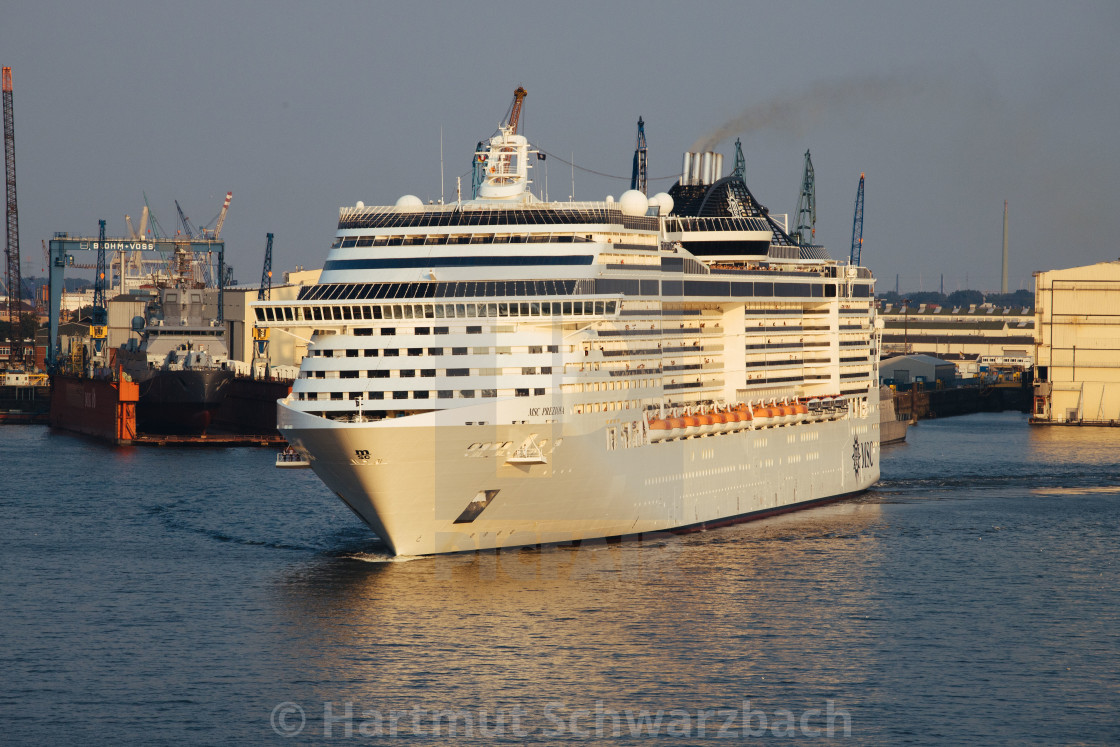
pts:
[857, 227]
[807, 205]
[638, 178]
[260, 334]
[15, 282]
[188, 229]
[99, 315]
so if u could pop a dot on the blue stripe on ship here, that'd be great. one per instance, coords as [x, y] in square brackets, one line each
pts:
[489, 261]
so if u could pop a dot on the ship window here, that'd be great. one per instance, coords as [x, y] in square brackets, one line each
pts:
[391, 351]
[407, 373]
[317, 313]
[367, 312]
[458, 372]
[460, 310]
[260, 315]
[289, 315]
[427, 372]
[466, 393]
[363, 331]
[554, 348]
[408, 310]
[474, 330]
[538, 391]
[378, 374]
[351, 353]
[546, 369]
[441, 330]
[388, 331]
[567, 307]
[513, 309]
[371, 353]
[348, 375]
[347, 312]
[423, 330]
[328, 353]
[522, 392]
[535, 349]
[458, 351]
[598, 307]
[336, 395]
[377, 395]
[416, 351]
[400, 395]
[524, 309]
[435, 351]
[420, 395]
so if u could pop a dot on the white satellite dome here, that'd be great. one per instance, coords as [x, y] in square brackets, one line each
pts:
[632, 202]
[610, 199]
[359, 204]
[409, 204]
[666, 202]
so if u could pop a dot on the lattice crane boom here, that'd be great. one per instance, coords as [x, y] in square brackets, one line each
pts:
[807, 205]
[15, 282]
[857, 227]
[638, 177]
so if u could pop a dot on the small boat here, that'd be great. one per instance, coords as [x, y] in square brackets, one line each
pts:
[289, 458]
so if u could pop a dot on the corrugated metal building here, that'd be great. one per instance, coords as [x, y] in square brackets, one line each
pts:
[904, 370]
[1077, 345]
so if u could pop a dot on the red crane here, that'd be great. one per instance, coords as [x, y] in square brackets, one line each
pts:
[15, 283]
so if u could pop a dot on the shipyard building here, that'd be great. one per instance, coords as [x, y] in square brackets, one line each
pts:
[1077, 346]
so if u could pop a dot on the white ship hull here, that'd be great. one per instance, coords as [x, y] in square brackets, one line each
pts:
[412, 482]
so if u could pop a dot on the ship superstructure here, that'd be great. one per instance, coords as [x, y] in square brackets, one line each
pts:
[506, 371]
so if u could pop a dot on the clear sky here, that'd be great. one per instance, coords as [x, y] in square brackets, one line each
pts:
[300, 107]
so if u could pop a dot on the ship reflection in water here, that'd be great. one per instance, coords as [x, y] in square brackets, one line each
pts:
[972, 597]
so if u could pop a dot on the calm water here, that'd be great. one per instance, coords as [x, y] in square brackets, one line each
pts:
[169, 596]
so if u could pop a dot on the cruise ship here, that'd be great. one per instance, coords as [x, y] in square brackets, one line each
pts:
[506, 371]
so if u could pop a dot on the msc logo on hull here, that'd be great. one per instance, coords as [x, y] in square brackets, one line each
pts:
[863, 455]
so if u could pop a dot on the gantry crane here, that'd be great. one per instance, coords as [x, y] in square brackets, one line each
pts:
[15, 282]
[807, 205]
[857, 227]
[638, 177]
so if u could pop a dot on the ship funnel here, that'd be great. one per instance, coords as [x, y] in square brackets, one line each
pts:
[697, 173]
[686, 169]
[706, 168]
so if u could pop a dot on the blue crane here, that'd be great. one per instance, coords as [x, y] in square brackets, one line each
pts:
[99, 316]
[188, 229]
[807, 205]
[638, 177]
[265, 293]
[857, 227]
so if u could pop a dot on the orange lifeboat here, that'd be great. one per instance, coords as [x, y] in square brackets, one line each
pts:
[676, 427]
[786, 414]
[763, 417]
[802, 411]
[720, 423]
[659, 430]
[707, 423]
[691, 425]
